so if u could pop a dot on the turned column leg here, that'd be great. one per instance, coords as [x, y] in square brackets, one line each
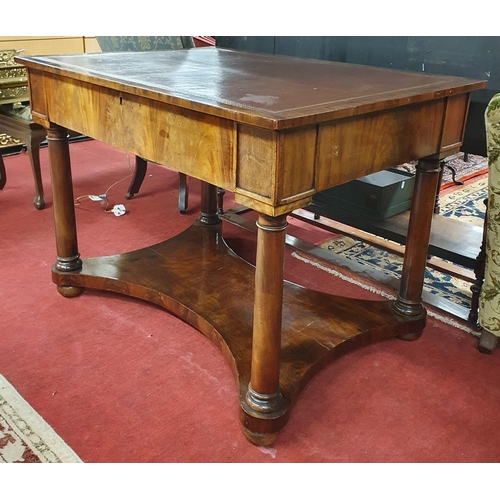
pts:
[68, 258]
[182, 202]
[208, 213]
[264, 399]
[409, 300]
[220, 200]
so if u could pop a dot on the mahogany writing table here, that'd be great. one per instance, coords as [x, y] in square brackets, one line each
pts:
[273, 130]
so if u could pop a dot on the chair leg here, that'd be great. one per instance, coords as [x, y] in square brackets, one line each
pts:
[436, 202]
[3, 175]
[33, 147]
[220, 201]
[454, 175]
[479, 269]
[141, 166]
[487, 342]
[183, 193]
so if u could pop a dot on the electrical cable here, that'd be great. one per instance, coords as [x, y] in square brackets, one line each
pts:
[104, 197]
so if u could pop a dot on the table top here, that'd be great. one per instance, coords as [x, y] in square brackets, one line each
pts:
[274, 92]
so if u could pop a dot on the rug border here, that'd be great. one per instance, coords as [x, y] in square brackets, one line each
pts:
[464, 179]
[53, 449]
[464, 295]
[378, 289]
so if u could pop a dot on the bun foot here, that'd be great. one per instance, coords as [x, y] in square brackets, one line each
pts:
[409, 336]
[39, 202]
[260, 439]
[487, 342]
[409, 309]
[70, 291]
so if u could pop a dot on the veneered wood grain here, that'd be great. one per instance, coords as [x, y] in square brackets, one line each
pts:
[317, 327]
[357, 146]
[278, 166]
[38, 105]
[268, 301]
[228, 118]
[186, 110]
[182, 139]
[456, 109]
[256, 162]
[297, 164]
[409, 299]
[275, 92]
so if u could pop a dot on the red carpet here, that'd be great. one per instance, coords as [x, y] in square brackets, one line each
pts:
[124, 381]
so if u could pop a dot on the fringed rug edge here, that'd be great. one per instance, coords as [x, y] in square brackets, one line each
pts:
[43, 441]
[379, 291]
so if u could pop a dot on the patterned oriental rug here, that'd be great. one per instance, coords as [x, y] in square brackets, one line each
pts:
[24, 436]
[457, 169]
[465, 203]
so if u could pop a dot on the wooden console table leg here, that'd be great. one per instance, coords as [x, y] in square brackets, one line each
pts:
[264, 399]
[409, 300]
[208, 213]
[33, 147]
[183, 193]
[68, 258]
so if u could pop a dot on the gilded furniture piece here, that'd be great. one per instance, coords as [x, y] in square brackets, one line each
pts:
[16, 126]
[144, 44]
[489, 300]
[227, 119]
[13, 79]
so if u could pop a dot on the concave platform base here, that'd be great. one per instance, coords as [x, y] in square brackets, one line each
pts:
[197, 277]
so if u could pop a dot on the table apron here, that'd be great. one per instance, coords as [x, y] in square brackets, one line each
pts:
[271, 171]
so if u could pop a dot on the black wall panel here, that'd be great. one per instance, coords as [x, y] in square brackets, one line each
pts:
[247, 43]
[329, 48]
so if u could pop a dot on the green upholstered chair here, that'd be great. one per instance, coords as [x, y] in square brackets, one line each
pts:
[142, 44]
[489, 299]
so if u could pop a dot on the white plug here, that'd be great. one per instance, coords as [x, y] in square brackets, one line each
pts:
[119, 210]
